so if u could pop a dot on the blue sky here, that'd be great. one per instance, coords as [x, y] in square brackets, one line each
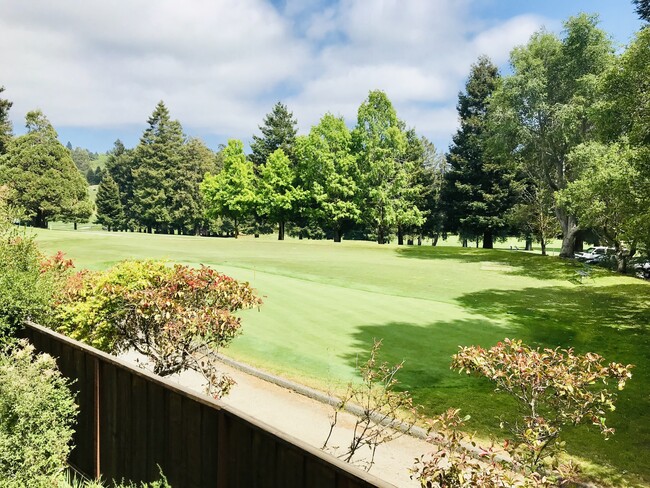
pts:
[98, 68]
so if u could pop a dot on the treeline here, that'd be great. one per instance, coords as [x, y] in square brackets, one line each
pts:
[559, 148]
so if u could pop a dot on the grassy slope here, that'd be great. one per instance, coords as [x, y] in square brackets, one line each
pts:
[325, 303]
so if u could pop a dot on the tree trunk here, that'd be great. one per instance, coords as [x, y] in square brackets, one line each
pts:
[337, 235]
[400, 236]
[542, 243]
[529, 244]
[419, 240]
[281, 230]
[257, 235]
[434, 241]
[409, 242]
[149, 229]
[488, 242]
[236, 228]
[380, 235]
[464, 242]
[569, 229]
[75, 226]
[477, 242]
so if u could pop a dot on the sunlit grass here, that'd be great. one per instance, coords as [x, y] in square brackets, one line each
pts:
[326, 302]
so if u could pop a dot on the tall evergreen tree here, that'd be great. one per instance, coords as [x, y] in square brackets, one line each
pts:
[187, 208]
[109, 208]
[45, 182]
[642, 8]
[278, 132]
[158, 157]
[120, 164]
[5, 123]
[477, 190]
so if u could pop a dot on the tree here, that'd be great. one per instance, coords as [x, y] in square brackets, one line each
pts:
[231, 192]
[109, 207]
[43, 177]
[120, 164]
[5, 123]
[81, 158]
[157, 168]
[543, 110]
[642, 8]
[176, 317]
[554, 388]
[380, 145]
[478, 187]
[432, 177]
[611, 197]
[278, 132]
[376, 402]
[329, 174]
[533, 215]
[277, 193]
[187, 208]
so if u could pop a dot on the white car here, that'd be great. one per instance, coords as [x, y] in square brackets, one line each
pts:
[595, 253]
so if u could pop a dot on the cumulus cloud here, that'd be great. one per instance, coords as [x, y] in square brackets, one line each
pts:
[220, 66]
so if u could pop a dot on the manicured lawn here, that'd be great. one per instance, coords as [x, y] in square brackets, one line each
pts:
[324, 303]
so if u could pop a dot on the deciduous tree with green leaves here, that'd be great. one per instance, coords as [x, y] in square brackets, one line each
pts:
[380, 145]
[544, 109]
[231, 192]
[277, 194]
[329, 174]
[43, 177]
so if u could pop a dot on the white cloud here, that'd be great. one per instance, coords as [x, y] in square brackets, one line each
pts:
[220, 65]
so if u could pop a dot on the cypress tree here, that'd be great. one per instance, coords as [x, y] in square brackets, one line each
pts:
[109, 208]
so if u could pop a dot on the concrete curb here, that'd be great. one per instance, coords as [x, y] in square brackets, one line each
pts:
[317, 395]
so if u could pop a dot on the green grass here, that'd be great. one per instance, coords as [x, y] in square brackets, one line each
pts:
[324, 303]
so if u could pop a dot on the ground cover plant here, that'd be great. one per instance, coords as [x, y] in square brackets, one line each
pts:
[323, 305]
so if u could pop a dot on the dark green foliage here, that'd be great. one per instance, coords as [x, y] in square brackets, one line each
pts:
[278, 132]
[642, 8]
[5, 123]
[478, 189]
[157, 163]
[43, 177]
[120, 165]
[81, 158]
[109, 208]
[37, 412]
[187, 209]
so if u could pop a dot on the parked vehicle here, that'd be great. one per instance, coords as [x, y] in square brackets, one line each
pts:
[596, 254]
[643, 270]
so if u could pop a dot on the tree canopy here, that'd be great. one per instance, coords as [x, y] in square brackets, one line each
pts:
[42, 176]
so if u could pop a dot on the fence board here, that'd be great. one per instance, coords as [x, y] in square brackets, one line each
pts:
[131, 421]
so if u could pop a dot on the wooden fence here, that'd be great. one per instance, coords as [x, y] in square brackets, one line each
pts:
[130, 422]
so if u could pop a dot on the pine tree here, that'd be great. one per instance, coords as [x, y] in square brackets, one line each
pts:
[477, 191]
[120, 164]
[642, 8]
[109, 208]
[278, 132]
[187, 208]
[158, 157]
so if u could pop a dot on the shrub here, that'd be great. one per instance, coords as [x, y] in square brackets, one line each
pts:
[175, 316]
[37, 412]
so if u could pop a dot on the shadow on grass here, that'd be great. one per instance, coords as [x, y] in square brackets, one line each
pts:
[512, 262]
[613, 321]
